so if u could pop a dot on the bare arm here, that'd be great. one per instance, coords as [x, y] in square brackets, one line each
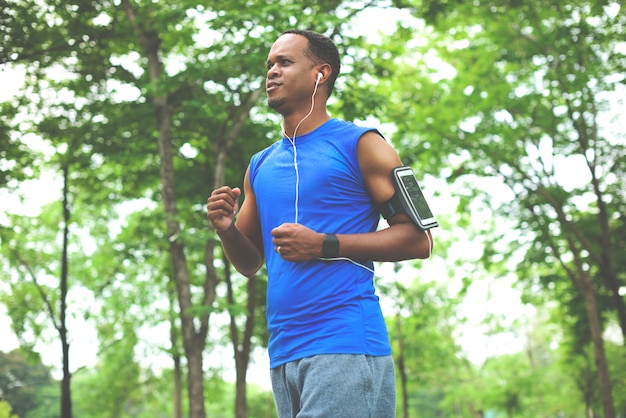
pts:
[403, 240]
[242, 239]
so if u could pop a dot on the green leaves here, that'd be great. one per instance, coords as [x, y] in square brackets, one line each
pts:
[24, 383]
[504, 106]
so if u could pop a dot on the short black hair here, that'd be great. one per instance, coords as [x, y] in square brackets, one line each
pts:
[322, 50]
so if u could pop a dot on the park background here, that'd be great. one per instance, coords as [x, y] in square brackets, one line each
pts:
[119, 117]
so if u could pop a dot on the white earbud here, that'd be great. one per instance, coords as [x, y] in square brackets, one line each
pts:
[319, 76]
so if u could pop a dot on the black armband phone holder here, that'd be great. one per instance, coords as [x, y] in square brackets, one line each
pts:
[408, 199]
[391, 207]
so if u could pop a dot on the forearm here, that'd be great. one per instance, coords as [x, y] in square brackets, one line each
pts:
[399, 242]
[241, 251]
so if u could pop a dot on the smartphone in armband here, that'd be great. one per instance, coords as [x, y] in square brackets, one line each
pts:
[411, 198]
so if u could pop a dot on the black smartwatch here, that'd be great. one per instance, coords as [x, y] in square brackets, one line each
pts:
[330, 246]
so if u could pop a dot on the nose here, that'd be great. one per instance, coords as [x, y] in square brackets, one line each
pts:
[271, 72]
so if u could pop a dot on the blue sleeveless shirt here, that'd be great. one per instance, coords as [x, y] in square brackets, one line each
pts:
[318, 307]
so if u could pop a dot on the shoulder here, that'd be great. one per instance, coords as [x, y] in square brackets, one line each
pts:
[257, 159]
[260, 155]
[357, 138]
[349, 127]
[377, 159]
[374, 149]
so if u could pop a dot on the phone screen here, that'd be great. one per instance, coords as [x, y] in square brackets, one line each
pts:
[417, 197]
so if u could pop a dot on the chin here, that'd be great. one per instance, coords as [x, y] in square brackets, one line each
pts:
[275, 103]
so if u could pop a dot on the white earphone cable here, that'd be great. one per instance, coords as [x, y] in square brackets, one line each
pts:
[295, 150]
[292, 141]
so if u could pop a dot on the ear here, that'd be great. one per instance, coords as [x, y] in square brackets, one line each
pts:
[323, 72]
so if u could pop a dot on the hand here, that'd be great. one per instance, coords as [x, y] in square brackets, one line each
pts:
[222, 206]
[297, 242]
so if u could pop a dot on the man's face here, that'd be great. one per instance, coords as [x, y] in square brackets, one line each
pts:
[290, 74]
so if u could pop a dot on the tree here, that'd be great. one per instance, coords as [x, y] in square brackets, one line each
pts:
[32, 273]
[242, 341]
[177, 80]
[426, 355]
[519, 93]
[114, 386]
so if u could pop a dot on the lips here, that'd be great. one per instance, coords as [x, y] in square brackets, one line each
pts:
[271, 86]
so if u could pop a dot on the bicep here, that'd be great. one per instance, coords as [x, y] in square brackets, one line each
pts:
[377, 159]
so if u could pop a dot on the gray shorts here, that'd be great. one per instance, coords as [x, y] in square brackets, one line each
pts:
[335, 386]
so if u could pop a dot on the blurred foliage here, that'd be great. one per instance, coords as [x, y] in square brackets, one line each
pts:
[505, 108]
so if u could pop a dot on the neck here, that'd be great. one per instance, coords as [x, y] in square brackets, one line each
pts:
[300, 124]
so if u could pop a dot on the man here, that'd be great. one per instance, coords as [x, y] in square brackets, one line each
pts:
[311, 212]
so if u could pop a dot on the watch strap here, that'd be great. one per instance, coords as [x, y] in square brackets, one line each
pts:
[330, 246]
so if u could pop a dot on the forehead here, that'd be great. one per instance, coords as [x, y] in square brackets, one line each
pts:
[291, 45]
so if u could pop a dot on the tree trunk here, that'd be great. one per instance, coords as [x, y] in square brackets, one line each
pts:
[606, 396]
[66, 398]
[193, 341]
[177, 390]
[605, 257]
[241, 349]
[241, 401]
[402, 369]
[60, 324]
[582, 281]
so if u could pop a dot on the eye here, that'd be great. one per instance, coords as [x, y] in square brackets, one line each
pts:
[283, 62]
